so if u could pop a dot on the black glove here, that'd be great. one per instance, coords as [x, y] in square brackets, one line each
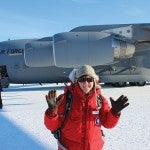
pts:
[52, 101]
[119, 104]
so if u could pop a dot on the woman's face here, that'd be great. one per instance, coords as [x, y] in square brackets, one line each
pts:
[86, 83]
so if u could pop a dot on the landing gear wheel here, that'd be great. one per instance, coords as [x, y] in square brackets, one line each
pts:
[141, 83]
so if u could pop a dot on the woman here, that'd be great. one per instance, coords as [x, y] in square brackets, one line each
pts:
[81, 129]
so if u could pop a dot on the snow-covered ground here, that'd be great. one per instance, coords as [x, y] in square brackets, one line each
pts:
[22, 127]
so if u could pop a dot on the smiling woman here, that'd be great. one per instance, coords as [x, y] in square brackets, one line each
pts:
[76, 118]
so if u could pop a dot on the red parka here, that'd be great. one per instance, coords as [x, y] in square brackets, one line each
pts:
[82, 128]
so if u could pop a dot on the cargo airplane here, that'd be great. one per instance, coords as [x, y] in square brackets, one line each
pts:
[120, 54]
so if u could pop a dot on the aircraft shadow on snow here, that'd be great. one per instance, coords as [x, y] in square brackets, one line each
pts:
[13, 137]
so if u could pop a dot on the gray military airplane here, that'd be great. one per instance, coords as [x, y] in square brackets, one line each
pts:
[119, 53]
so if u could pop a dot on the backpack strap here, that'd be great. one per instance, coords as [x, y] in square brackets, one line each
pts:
[99, 101]
[100, 104]
[69, 98]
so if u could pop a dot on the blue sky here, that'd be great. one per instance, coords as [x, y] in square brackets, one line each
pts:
[20, 19]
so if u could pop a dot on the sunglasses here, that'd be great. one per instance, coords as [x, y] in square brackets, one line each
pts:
[85, 79]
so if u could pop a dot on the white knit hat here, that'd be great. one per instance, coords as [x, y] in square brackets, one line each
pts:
[81, 71]
[86, 70]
